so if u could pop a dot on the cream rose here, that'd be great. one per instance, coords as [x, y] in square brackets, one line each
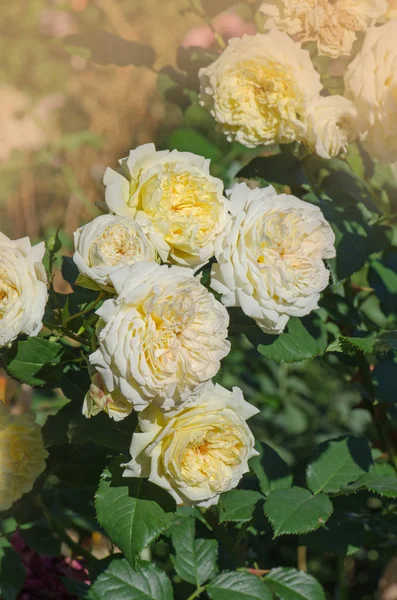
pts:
[199, 451]
[23, 288]
[371, 82]
[333, 25]
[260, 89]
[108, 243]
[162, 337]
[271, 256]
[331, 126]
[174, 195]
[22, 456]
[99, 399]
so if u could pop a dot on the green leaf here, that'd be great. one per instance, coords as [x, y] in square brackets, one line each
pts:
[384, 486]
[272, 471]
[103, 431]
[122, 582]
[129, 510]
[195, 560]
[372, 344]
[282, 168]
[343, 533]
[347, 203]
[238, 505]
[34, 361]
[69, 270]
[235, 585]
[290, 584]
[302, 339]
[105, 48]
[338, 462]
[296, 510]
[381, 479]
[172, 86]
[77, 464]
[384, 377]
[187, 139]
[78, 589]
[12, 571]
[197, 116]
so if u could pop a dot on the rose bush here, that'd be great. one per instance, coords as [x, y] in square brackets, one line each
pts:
[245, 271]
[333, 25]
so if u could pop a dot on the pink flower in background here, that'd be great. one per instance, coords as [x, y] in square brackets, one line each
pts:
[228, 24]
[44, 573]
[56, 23]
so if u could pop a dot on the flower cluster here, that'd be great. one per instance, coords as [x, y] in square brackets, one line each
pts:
[161, 334]
[265, 89]
[333, 25]
[161, 330]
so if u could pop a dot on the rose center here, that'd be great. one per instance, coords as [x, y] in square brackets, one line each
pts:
[210, 456]
[183, 206]
[8, 294]
[117, 245]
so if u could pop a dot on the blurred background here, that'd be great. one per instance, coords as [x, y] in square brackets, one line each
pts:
[64, 119]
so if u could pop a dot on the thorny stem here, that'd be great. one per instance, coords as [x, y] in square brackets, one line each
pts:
[302, 558]
[343, 579]
[379, 418]
[87, 309]
[66, 333]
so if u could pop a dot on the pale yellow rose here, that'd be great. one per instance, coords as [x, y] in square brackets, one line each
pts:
[199, 451]
[332, 24]
[99, 399]
[331, 126]
[174, 198]
[23, 288]
[106, 244]
[260, 89]
[371, 83]
[162, 337]
[270, 256]
[22, 456]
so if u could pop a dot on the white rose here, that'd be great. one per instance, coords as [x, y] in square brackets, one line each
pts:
[271, 256]
[22, 456]
[333, 25]
[174, 194]
[99, 399]
[198, 452]
[260, 88]
[331, 126]
[108, 243]
[371, 82]
[23, 288]
[162, 337]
